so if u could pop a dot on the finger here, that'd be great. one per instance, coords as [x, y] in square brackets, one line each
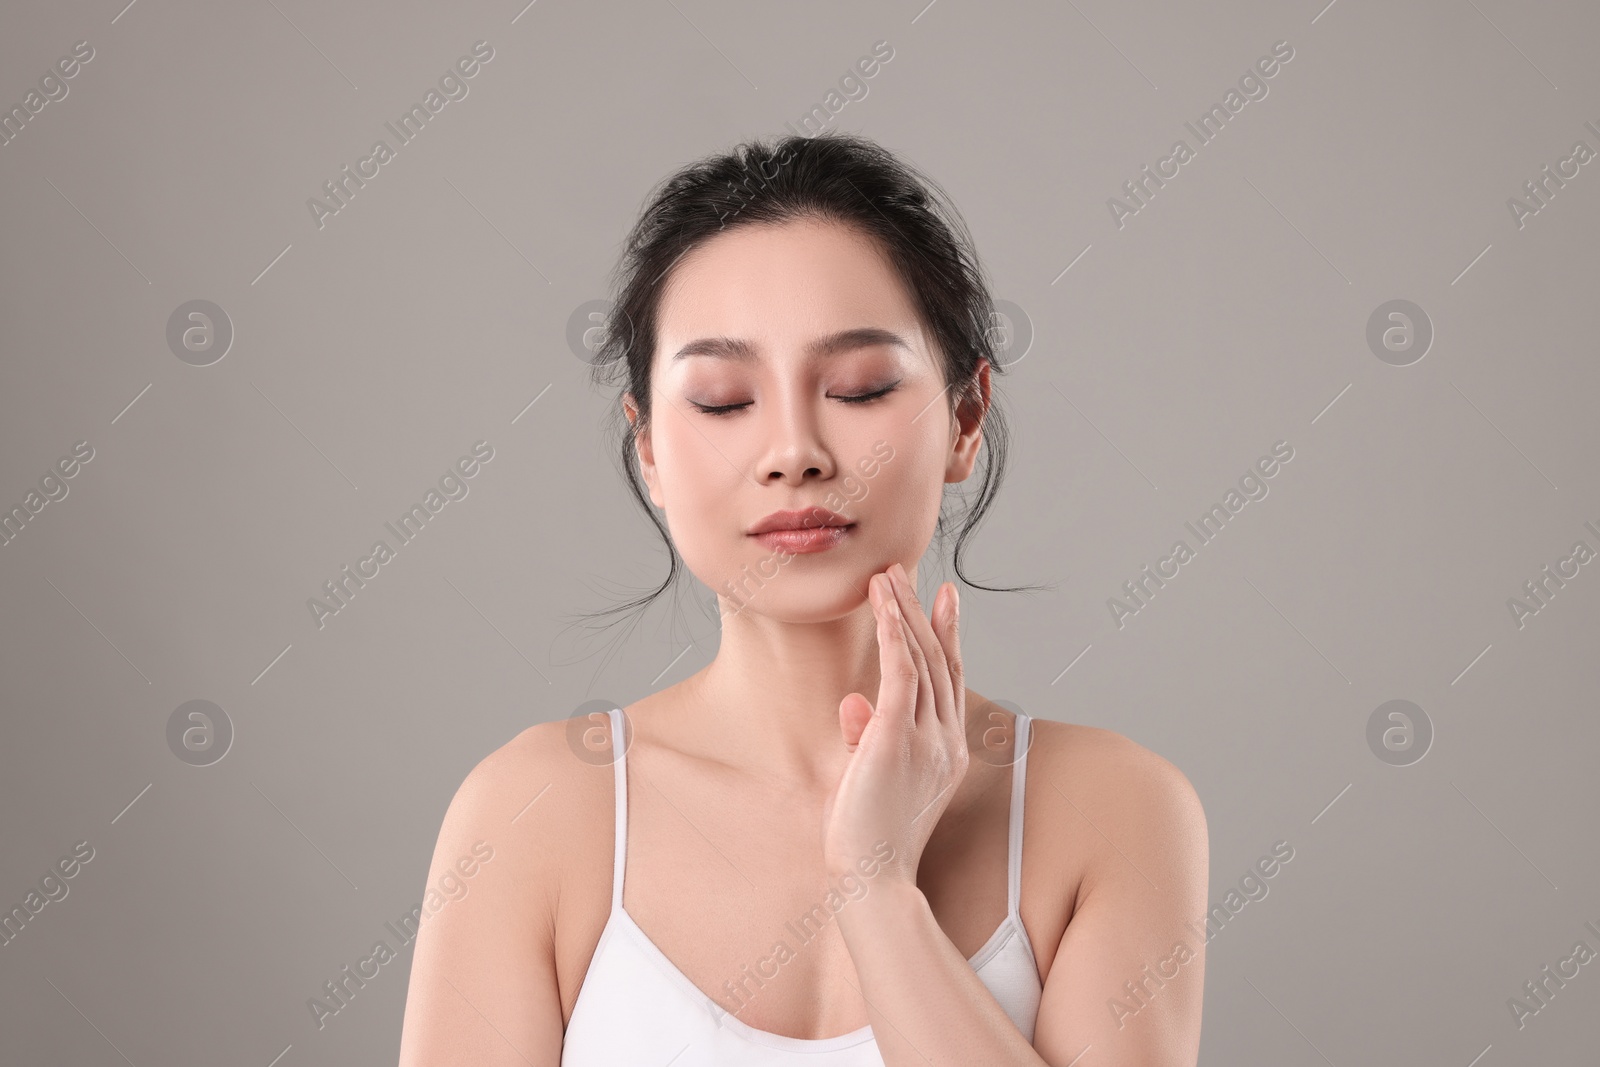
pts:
[930, 656]
[897, 670]
[855, 711]
[920, 712]
[926, 710]
[948, 629]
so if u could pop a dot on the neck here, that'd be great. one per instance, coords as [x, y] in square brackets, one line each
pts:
[771, 696]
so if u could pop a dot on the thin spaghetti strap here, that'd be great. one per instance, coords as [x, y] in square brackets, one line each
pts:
[1019, 781]
[620, 764]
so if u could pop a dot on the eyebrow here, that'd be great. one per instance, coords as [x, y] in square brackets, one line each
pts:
[741, 351]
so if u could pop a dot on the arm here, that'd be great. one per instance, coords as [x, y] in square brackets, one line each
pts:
[1129, 975]
[483, 986]
[928, 1006]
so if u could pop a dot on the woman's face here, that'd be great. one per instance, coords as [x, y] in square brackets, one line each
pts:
[779, 326]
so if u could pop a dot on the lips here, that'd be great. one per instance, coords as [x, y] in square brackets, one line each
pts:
[813, 518]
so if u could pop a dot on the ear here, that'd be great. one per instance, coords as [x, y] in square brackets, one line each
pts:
[645, 449]
[967, 431]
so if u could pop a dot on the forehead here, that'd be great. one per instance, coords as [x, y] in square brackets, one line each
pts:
[783, 286]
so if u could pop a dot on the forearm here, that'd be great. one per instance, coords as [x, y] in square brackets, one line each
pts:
[926, 1003]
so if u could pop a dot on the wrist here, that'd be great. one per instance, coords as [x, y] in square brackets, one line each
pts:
[872, 865]
[886, 902]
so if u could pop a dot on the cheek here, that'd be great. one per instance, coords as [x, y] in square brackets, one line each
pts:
[688, 466]
[904, 494]
[698, 486]
[912, 494]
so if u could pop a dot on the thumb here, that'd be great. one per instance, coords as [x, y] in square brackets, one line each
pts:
[855, 711]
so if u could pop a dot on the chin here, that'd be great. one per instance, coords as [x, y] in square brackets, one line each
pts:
[794, 598]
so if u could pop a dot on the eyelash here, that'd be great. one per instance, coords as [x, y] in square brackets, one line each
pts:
[865, 398]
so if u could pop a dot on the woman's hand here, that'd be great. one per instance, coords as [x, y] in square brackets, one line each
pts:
[911, 747]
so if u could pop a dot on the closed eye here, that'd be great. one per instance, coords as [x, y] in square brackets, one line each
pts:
[724, 409]
[721, 410]
[868, 397]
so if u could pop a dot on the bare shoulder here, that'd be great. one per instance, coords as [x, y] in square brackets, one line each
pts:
[537, 794]
[1099, 759]
[1114, 830]
[486, 978]
[1119, 793]
[539, 804]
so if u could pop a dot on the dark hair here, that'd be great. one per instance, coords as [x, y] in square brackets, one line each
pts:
[832, 177]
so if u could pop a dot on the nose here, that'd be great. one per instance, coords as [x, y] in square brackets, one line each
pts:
[795, 450]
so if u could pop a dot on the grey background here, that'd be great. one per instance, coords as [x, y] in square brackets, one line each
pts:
[1228, 314]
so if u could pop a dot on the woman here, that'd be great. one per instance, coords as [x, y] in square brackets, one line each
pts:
[821, 834]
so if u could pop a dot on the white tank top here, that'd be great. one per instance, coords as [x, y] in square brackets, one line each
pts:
[636, 1007]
